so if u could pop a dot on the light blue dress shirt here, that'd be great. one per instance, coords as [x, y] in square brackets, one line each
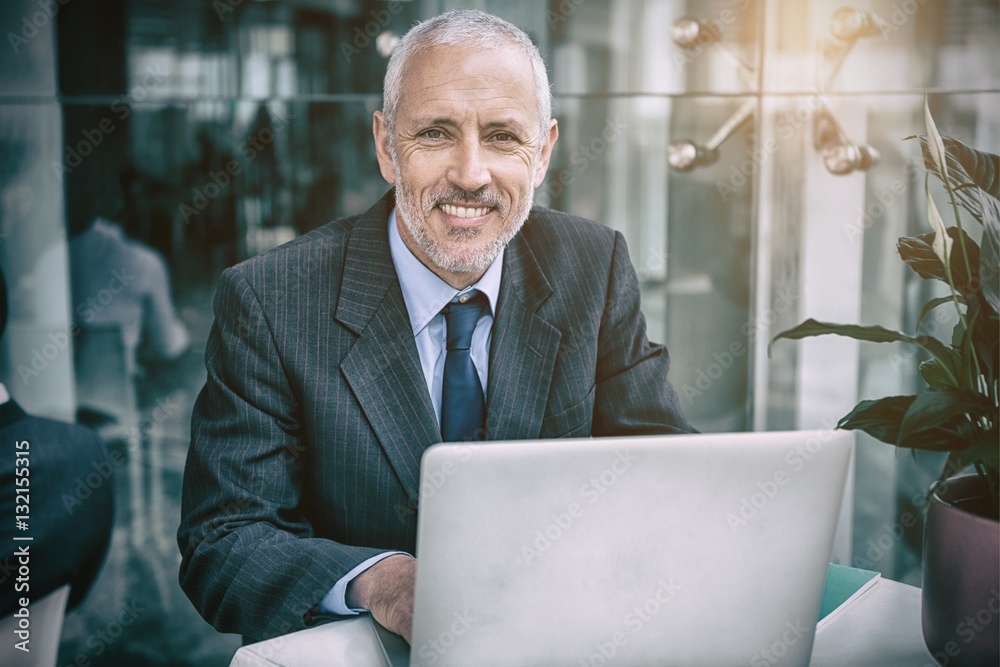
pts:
[425, 294]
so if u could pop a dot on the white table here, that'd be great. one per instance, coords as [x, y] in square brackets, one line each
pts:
[880, 629]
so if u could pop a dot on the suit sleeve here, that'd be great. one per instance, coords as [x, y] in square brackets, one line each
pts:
[632, 395]
[250, 561]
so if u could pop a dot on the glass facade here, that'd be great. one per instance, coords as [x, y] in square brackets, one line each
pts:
[751, 152]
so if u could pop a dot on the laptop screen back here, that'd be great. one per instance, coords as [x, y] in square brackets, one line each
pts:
[667, 550]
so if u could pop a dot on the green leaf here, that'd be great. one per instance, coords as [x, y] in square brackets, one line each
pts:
[919, 255]
[964, 342]
[958, 335]
[937, 439]
[938, 408]
[873, 334]
[955, 463]
[934, 375]
[982, 448]
[985, 443]
[989, 262]
[969, 170]
[985, 326]
[811, 327]
[880, 418]
[934, 303]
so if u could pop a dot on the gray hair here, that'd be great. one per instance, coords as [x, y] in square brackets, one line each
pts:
[463, 27]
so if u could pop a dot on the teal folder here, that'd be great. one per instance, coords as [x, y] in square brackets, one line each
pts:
[842, 584]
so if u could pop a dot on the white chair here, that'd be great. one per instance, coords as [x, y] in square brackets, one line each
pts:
[104, 383]
[106, 387]
[44, 625]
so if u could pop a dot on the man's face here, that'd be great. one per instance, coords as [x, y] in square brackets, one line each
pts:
[467, 156]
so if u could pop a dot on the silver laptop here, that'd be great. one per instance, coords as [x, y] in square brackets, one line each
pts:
[667, 550]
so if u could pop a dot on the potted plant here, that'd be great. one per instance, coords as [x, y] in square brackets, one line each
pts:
[958, 411]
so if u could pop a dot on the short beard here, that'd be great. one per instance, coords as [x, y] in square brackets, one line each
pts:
[472, 260]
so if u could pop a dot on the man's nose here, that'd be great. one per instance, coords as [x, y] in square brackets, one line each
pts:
[469, 169]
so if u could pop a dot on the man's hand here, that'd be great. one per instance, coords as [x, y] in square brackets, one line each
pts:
[386, 590]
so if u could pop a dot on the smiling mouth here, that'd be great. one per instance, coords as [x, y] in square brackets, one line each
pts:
[465, 211]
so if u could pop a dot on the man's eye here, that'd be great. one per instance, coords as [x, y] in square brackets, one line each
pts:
[433, 134]
[503, 137]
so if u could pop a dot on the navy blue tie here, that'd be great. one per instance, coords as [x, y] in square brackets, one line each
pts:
[463, 409]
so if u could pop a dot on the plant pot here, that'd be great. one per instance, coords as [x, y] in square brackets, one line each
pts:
[961, 591]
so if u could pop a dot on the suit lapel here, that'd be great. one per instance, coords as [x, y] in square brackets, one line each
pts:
[523, 350]
[383, 368]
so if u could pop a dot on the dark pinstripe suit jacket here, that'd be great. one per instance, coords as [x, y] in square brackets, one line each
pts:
[306, 439]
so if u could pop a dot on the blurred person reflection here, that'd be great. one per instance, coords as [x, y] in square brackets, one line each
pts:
[117, 280]
[212, 221]
[68, 489]
[263, 180]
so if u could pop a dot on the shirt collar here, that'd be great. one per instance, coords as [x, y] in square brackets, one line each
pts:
[424, 293]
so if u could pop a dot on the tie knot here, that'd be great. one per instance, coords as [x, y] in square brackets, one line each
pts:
[461, 318]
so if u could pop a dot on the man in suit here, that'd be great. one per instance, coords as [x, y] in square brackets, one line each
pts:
[330, 364]
[68, 479]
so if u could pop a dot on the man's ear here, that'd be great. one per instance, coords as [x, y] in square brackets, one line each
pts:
[381, 134]
[543, 160]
